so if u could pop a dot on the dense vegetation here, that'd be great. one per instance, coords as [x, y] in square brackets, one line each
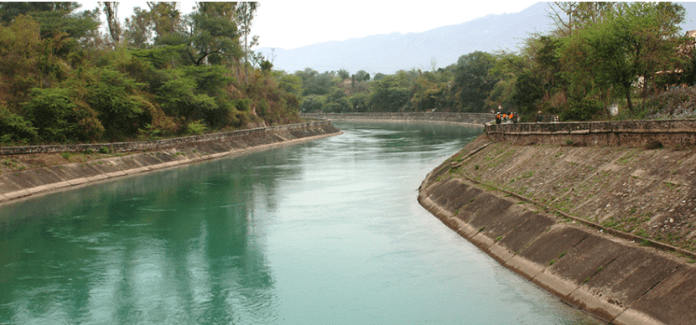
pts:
[599, 55]
[159, 74]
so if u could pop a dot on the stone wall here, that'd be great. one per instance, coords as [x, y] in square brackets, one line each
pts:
[672, 133]
[458, 118]
[161, 144]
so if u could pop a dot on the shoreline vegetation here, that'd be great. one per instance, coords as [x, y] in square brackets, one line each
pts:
[164, 74]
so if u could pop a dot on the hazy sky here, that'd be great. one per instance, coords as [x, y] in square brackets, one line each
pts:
[291, 24]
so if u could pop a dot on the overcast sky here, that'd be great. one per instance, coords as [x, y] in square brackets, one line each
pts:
[290, 24]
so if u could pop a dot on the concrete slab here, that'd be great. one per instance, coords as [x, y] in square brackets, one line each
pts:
[96, 178]
[42, 175]
[119, 173]
[554, 283]
[78, 181]
[505, 222]
[552, 243]
[530, 229]
[486, 209]
[64, 173]
[631, 275]
[524, 267]
[597, 305]
[7, 185]
[17, 179]
[588, 258]
[501, 253]
[634, 317]
[83, 170]
[17, 194]
[673, 300]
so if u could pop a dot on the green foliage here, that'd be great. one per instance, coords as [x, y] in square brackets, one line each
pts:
[196, 127]
[581, 110]
[389, 95]
[104, 150]
[312, 104]
[472, 81]
[118, 100]
[14, 128]
[52, 112]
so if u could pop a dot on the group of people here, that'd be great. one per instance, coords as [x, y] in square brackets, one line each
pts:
[511, 117]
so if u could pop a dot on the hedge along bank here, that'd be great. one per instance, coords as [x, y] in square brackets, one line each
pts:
[169, 153]
[496, 194]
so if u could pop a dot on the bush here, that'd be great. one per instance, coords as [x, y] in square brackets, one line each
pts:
[104, 150]
[15, 128]
[196, 127]
[581, 110]
[52, 111]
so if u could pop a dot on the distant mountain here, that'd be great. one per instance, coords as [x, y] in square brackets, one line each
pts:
[389, 53]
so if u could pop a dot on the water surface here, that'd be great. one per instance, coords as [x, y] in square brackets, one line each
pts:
[325, 232]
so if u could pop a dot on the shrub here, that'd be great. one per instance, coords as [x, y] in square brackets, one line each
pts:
[196, 127]
[581, 110]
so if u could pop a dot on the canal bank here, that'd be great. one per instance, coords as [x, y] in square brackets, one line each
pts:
[152, 155]
[545, 211]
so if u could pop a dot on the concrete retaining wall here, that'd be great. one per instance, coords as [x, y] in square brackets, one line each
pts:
[455, 118]
[15, 185]
[614, 279]
[162, 144]
[670, 133]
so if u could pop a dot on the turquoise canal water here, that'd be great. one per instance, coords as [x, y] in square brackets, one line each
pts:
[325, 232]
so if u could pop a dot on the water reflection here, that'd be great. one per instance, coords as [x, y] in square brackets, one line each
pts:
[177, 246]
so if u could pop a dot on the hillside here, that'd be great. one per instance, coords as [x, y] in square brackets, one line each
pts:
[389, 53]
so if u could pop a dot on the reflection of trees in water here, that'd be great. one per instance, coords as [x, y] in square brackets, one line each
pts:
[385, 138]
[184, 242]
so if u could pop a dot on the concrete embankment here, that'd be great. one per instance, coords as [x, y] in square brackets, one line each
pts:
[477, 119]
[170, 153]
[545, 211]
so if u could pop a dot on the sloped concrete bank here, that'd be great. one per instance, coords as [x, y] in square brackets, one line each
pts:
[471, 119]
[554, 244]
[21, 184]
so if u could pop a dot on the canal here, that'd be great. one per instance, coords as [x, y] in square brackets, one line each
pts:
[325, 232]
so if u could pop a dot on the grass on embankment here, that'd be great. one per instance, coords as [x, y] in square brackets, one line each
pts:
[644, 192]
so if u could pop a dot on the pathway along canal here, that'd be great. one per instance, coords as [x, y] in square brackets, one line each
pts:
[325, 232]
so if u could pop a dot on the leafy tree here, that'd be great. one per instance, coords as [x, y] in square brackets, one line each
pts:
[213, 33]
[389, 95]
[471, 80]
[362, 76]
[15, 128]
[53, 17]
[343, 74]
[52, 112]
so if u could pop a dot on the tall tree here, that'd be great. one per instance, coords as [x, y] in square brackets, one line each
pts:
[111, 11]
[245, 16]
[471, 80]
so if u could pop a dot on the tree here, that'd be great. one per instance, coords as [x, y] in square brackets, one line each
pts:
[638, 41]
[111, 11]
[213, 36]
[471, 80]
[53, 17]
[245, 16]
